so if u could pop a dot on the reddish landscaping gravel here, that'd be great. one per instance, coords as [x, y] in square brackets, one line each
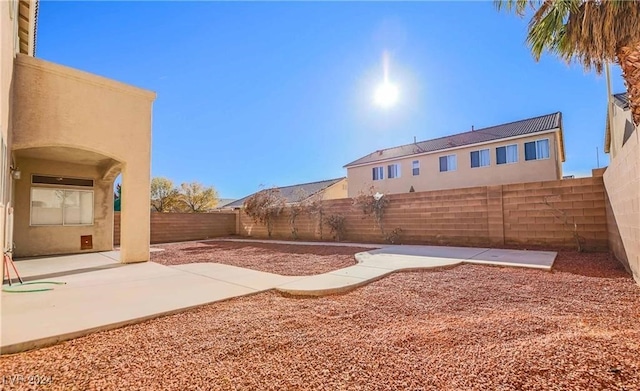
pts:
[284, 259]
[465, 328]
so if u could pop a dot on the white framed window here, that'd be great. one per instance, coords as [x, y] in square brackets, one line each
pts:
[507, 154]
[378, 173]
[448, 163]
[415, 167]
[536, 150]
[393, 171]
[55, 206]
[480, 158]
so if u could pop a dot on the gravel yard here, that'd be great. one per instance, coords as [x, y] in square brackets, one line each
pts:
[462, 328]
[284, 259]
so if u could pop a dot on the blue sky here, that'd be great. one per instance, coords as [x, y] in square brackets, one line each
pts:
[278, 93]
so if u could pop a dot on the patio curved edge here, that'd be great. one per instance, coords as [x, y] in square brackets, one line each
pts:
[318, 292]
[370, 268]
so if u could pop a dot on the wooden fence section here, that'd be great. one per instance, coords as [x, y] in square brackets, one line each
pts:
[536, 213]
[177, 227]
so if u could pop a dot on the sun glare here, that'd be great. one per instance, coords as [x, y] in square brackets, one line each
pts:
[386, 95]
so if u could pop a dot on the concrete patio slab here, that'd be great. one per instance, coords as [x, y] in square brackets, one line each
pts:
[430, 251]
[403, 262]
[321, 284]
[361, 271]
[100, 293]
[237, 275]
[47, 266]
[102, 300]
[533, 259]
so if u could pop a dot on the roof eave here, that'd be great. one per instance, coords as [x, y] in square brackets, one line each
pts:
[27, 26]
[546, 131]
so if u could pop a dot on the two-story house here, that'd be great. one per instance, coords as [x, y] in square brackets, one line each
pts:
[523, 151]
[65, 135]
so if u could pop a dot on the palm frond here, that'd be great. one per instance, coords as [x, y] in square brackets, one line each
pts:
[519, 7]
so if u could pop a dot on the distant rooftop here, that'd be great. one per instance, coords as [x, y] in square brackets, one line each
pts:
[293, 193]
[621, 100]
[518, 128]
[223, 202]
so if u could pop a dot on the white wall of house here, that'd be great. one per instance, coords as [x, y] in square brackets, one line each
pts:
[622, 183]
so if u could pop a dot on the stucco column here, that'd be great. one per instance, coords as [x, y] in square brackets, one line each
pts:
[135, 213]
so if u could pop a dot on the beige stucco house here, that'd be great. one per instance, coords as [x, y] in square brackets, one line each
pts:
[66, 136]
[330, 189]
[622, 183]
[523, 151]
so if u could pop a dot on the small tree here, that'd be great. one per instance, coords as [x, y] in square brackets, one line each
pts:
[164, 196]
[196, 198]
[264, 206]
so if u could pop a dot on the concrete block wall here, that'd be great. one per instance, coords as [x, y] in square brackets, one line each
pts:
[544, 213]
[515, 214]
[178, 227]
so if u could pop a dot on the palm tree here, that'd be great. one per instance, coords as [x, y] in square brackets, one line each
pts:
[591, 32]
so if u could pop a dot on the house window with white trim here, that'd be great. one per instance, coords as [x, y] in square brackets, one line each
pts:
[480, 158]
[448, 163]
[54, 206]
[507, 154]
[393, 171]
[415, 167]
[378, 173]
[536, 150]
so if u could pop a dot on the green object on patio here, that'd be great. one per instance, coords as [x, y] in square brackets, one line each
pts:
[11, 290]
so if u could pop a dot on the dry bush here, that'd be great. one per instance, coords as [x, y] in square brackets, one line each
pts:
[264, 207]
[336, 225]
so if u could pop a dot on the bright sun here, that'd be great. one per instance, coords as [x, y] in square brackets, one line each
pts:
[386, 94]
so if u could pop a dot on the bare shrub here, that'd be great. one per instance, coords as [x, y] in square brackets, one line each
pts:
[372, 205]
[336, 225]
[375, 205]
[264, 206]
[315, 208]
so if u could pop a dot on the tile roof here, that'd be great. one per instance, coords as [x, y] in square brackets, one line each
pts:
[518, 128]
[621, 100]
[294, 193]
[222, 202]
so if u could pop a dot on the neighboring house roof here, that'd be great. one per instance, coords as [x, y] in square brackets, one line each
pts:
[622, 101]
[223, 202]
[512, 129]
[294, 193]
